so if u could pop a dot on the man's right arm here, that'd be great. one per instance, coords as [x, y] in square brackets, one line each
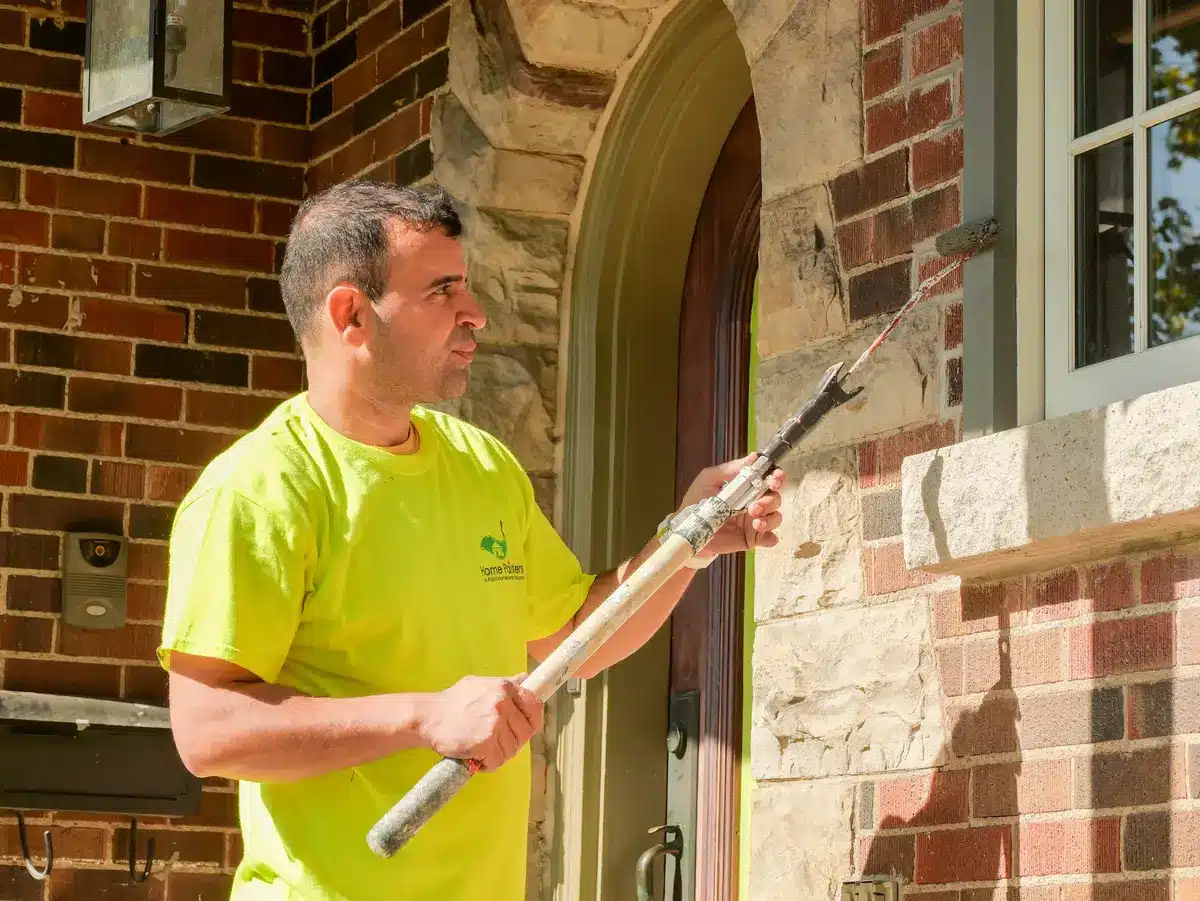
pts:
[227, 722]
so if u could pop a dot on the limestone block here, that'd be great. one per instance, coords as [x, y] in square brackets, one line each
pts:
[807, 84]
[578, 35]
[818, 561]
[1089, 485]
[800, 296]
[801, 840]
[511, 119]
[846, 691]
[503, 399]
[515, 267]
[901, 381]
[471, 168]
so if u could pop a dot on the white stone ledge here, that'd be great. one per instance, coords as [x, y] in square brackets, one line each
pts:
[1114, 480]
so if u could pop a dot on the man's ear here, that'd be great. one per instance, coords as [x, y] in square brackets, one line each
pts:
[349, 312]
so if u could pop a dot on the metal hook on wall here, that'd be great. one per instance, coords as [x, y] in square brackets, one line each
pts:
[34, 871]
[133, 873]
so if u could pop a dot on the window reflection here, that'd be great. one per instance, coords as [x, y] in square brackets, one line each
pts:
[1103, 63]
[1174, 293]
[1174, 49]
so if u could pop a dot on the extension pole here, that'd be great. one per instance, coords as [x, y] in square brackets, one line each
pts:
[688, 534]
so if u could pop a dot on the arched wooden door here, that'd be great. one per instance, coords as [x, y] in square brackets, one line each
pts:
[706, 629]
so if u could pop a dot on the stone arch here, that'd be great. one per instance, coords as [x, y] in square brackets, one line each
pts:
[546, 132]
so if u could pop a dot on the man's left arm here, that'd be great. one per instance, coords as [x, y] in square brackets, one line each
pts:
[751, 529]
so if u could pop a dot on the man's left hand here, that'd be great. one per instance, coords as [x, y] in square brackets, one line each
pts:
[752, 528]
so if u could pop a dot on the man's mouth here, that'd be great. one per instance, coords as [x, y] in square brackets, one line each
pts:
[465, 353]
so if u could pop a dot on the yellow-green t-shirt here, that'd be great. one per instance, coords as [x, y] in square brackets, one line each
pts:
[343, 570]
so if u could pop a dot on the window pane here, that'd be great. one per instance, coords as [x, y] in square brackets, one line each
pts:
[1174, 294]
[1104, 253]
[1174, 48]
[1103, 63]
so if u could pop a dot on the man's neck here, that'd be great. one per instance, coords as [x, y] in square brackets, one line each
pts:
[360, 418]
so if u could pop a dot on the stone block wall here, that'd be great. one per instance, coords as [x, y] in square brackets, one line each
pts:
[141, 331]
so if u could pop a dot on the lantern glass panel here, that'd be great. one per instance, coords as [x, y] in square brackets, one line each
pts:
[195, 46]
[122, 61]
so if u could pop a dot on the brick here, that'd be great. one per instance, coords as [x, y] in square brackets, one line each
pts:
[12, 27]
[14, 468]
[1031, 786]
[1033, 658]
[946, 284]
[285, 145]
[275, 218]
[868, 464]
[1187, 636]
[219, 135]
[21, 551]
[187, 365]
[147, 521]
[964, 855]
[146, 164]
[24, 227]
[419, 9]
[265, 104]
[10, 105]
[286, 70]
[244, 177]
[188, 447]
[73, 352]
[57, 35]
[1120, 646]
[8, 265]
[251, 332]
[1102, 587]
[1060, 719]
[169, 483]
[1124, 890]
[59, 111]
[43, 270]
[63, 514]
[937, 45]
[133, 320]
[954, 382]
[335, 58]
[67, 474]
[239, 411]
[886, 124]
[353, 158]
[950, 669]
[147, 561]
[70, 842]
[149, 684]
[196, 847]
[36, 148]
[1070, 846]
[893, 236]
[77, 233]
[414, 164]
[926, 109]
[855, 240]
[885, 570]
[34, 594]
[247, 64]
[397, 133]
[82, 195]
[888, 855]
[22, 388]
[1164, 708]
[97, 680]
[10, 184]
[226, 251]
[266, 29]
[332, 133]
[936, 212]
[1128, 779]
[917, 440]
[113, 398]
[881, 515]
[932, 800]
[30, 69]
[1156, 840]
[277, 374]
[114, 479]
[953, 325]
[392, 94]
[190, 286]
[131, 642]
[882, 69]
[140, 242]
[883, 290]
[111, 885]
[1170, 577]
[26, 634]
[62, 433]
[200, 209]
[354, 83]
[937, 160]
[145, 600]
[885, 18]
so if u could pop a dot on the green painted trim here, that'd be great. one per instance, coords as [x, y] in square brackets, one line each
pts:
[652, 170]
[748, 782]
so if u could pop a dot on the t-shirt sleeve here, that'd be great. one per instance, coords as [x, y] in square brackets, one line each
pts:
[235, 585]
[557, 583]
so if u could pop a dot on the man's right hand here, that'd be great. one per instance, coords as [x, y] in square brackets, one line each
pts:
[484, 719]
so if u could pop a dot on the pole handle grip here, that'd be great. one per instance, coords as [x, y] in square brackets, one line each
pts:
[441, 783]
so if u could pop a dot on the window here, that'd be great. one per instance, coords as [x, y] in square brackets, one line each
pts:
[1122, 143]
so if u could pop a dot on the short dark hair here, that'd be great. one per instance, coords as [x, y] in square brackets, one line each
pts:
[341, 235]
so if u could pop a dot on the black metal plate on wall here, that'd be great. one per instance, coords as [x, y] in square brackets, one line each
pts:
[100, 769]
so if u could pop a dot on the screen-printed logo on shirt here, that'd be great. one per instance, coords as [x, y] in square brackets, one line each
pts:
[503, 571]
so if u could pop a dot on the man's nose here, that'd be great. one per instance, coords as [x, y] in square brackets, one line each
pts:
[472, 313]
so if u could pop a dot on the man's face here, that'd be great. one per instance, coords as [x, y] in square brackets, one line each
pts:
[420, 340]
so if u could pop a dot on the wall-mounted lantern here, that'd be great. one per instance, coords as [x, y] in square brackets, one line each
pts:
[155, 66]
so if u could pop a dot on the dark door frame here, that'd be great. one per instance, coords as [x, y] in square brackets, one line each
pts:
[713, 407]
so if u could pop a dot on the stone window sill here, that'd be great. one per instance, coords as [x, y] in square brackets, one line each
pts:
[1109, 481]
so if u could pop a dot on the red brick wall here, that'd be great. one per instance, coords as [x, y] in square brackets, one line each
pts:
[141, 331]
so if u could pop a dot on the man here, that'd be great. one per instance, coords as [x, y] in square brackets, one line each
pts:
[356, 585]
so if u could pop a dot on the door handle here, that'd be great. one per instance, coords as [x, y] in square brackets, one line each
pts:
[672, 845]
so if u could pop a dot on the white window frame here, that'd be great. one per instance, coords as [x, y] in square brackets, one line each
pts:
[1069, 390]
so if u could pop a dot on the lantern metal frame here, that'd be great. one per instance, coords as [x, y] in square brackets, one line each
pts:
[212, 104]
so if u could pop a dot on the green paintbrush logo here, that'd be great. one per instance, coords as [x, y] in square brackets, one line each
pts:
[497, 547]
